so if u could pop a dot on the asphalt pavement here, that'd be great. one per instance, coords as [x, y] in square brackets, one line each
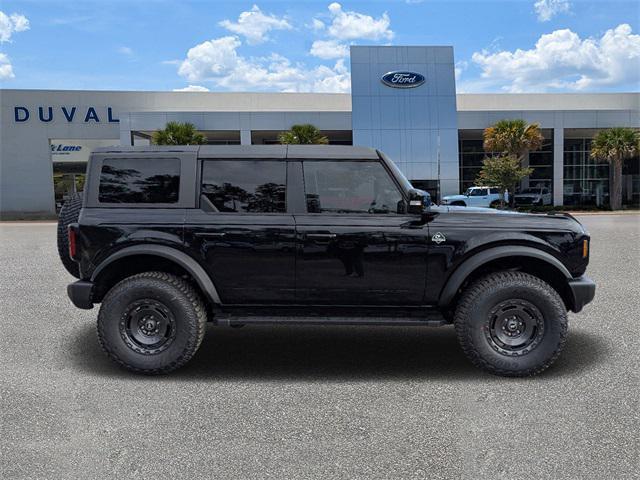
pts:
[315, 402]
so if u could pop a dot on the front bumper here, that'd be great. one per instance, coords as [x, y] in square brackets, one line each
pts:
[80, 294]
[583, 289]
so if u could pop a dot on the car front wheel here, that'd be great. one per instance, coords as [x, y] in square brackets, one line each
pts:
[151, 323]
[511, 324]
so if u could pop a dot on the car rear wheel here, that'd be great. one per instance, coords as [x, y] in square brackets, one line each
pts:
[495, 204]
[69, 214]
[511, 324]
[151, 323]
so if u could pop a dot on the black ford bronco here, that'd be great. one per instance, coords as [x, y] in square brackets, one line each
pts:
[170, 238]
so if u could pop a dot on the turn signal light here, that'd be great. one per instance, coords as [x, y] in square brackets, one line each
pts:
[585, 248]
[72, 242]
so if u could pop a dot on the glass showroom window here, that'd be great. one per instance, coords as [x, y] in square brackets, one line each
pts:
[542, 163]
[472, 154]
[586, 181]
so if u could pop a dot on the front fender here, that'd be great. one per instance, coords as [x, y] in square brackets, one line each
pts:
[467, 267]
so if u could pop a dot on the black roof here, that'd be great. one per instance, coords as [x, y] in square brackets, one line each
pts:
[343, 152]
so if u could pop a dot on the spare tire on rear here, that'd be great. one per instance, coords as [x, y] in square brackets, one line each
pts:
[69, 213]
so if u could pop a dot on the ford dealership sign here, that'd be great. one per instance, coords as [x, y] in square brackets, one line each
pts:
[403, 79]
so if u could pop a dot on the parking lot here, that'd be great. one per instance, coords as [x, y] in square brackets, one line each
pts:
[321, 402]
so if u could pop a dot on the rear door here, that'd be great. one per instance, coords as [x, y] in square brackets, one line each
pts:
[356, 246]
[242, 232]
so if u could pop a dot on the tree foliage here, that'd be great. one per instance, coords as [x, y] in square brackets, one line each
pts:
[305, 134]
[514, 138]
[615, 146]
[177, 133]
[504, 172]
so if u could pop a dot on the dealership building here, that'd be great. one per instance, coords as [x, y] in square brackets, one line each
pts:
[415, 116]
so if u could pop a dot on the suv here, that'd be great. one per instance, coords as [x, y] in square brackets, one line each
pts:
[170, 238]
[533, 196]
[476, 197]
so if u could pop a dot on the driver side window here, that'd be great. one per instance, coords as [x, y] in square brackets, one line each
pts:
[350, 187]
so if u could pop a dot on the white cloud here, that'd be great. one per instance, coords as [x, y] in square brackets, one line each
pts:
[561, 60]
[460, 67]
[317, 25]
[254, 25]
[125, 51]
[547, 9]
[10, 24]
[327, 49]
[348, 25]
[6, 70]
[217, 61]
[213, 58]
[192, 88]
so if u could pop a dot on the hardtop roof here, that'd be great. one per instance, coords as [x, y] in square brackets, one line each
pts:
[334, 152]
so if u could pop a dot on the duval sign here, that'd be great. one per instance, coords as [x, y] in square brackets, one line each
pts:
[401, 79]
[69, 114]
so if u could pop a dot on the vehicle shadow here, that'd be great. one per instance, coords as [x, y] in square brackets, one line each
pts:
[333, 353]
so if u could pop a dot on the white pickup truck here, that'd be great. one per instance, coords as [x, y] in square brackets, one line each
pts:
[476, 197]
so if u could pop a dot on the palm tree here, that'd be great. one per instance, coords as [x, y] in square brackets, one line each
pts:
[615, 146]
[176, 133]
[305, 134]
[514, 138]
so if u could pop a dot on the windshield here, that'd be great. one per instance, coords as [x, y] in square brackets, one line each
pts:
[404, 183]
[475, 192]
[531, 190]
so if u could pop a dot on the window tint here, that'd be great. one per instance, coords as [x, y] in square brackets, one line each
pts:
[477, 192]
[495, 191]
[245, 186]
[139, 180]
[350, 187]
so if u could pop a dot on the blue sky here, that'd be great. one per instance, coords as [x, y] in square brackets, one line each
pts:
[500, 46]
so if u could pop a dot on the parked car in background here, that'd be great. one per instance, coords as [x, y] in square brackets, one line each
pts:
[533, 196]
[476, 197]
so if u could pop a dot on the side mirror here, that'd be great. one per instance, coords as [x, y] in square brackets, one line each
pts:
[419, 202]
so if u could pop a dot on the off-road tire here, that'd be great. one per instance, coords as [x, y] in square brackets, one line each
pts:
[69, 213]
[473, 320]
[181, 301]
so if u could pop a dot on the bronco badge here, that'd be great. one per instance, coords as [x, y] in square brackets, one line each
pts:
[438, 238]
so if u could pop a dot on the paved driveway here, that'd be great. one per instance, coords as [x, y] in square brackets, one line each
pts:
[299, 402]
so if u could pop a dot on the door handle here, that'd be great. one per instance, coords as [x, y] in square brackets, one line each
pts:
[320, 236]
[211, 234]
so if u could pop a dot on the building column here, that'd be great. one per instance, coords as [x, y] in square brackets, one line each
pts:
[125, 130]
[245, 137]
[558, 166]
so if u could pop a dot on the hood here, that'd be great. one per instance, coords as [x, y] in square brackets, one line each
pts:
[479, 216]
[454, 197]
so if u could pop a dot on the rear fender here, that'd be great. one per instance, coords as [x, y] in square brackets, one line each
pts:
[179, 258]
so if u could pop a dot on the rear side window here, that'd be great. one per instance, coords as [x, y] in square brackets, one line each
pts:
[494, 191]
[350, 187]
[245, 186]
[139, 180]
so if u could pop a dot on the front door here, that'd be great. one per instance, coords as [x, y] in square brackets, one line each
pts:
[243, 233]
[355, 244]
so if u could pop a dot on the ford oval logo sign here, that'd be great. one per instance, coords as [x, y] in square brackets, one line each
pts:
[402, 79]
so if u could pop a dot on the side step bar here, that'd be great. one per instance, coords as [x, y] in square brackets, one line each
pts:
[435, 320]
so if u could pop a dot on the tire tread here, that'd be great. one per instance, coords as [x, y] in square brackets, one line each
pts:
[496, 281]
[196, 329]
